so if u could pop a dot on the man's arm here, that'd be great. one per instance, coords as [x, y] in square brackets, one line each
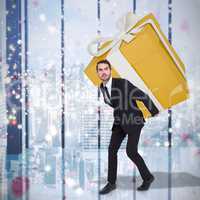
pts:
[138, 94]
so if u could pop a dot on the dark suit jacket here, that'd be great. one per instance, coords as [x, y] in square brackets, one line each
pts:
[123, 98]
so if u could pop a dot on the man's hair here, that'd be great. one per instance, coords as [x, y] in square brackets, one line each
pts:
[104, 62]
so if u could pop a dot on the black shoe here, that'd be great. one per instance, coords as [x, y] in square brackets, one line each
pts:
[146, 184]
[107, 188]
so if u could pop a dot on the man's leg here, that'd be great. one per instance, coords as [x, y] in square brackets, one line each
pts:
[132, 151]
[116, 139]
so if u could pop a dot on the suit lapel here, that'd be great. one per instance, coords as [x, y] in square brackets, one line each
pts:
[113, 86]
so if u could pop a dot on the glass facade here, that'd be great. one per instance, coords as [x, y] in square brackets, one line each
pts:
[45, 170]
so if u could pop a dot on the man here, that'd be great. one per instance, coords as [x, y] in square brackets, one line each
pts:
[121, 95]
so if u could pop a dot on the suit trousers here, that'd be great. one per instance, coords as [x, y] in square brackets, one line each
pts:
[118, 134]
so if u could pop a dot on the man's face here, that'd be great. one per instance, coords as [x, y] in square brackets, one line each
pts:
[104, 72]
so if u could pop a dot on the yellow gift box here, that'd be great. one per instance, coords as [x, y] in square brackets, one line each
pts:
[143, 55]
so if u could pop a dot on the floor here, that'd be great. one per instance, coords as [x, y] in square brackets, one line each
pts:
[53, 174]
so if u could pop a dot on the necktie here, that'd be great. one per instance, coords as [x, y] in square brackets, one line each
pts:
[106, 96]
[107, 93]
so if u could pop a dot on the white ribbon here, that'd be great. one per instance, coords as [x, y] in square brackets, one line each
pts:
[126, 34]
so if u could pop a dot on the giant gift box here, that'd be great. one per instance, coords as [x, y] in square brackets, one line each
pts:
[142, 54]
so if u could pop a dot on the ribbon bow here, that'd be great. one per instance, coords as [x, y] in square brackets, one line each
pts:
[127, 33]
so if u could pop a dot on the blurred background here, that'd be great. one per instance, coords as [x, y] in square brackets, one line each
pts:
[49, 109]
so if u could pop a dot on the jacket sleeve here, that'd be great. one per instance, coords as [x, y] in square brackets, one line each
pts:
[138, 94]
